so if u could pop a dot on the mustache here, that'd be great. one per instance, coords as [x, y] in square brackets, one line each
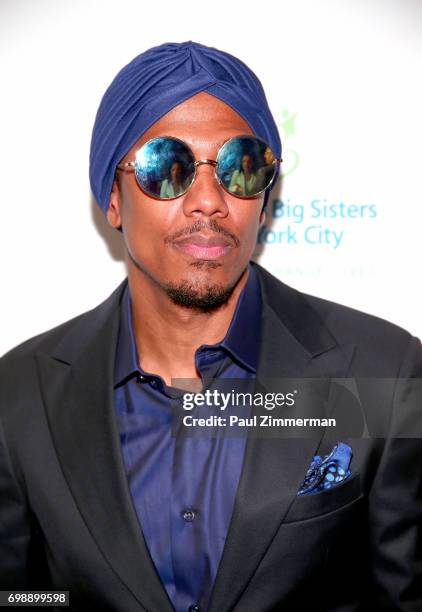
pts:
[197, 226]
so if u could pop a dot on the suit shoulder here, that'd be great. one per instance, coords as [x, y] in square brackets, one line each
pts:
[48, 340]
[41, 342]
[381, 346]
[354, 323]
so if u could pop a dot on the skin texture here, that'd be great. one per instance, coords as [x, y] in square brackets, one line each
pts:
[167, 334]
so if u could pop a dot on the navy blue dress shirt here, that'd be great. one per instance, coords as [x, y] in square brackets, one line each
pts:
[183, 488]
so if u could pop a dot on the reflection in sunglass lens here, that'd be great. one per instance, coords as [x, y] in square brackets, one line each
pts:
[246, 166]
[164, 167]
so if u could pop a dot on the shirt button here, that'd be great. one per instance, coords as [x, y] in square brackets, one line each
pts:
[188, 516]
[140, 378]
[194, 608]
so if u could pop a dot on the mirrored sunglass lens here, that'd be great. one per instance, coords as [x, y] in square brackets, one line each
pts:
[246, 165]
[164, 167]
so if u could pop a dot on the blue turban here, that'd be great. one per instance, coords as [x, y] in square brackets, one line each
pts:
[154, 83]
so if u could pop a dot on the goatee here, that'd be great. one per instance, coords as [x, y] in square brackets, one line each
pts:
[202, 299]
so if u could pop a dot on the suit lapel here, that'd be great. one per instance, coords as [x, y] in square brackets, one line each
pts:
[294, 344]
[77, 384]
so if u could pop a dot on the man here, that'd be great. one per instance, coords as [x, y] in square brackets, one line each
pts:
[99, 496]
[243, 182]
[266, 171]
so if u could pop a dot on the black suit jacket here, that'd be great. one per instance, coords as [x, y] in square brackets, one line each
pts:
[67, 519]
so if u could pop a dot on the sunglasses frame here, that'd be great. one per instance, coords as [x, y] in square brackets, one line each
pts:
[131, 166]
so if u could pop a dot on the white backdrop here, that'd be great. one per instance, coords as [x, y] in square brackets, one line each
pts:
[343, 79]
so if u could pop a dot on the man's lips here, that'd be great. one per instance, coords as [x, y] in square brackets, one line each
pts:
[203, 246]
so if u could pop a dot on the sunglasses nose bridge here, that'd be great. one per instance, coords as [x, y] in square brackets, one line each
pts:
[206, 162]
[203, 162]
[204, 195]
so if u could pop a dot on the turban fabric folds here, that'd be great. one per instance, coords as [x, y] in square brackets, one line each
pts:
[155, 82]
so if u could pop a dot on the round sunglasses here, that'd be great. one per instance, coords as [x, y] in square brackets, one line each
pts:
[165, 167]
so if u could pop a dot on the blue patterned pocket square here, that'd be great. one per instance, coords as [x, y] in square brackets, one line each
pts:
[326, 472]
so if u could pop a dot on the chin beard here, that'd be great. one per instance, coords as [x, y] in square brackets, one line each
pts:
[203, 299]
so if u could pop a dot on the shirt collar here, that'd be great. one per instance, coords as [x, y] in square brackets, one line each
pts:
[241, 340]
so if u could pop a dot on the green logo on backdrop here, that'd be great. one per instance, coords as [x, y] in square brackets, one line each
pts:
[288, 129]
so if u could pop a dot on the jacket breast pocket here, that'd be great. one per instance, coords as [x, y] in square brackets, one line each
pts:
[315, 504]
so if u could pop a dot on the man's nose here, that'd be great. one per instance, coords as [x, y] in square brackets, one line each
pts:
[205, 196]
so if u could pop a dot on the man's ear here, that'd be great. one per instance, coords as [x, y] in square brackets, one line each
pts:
[113, 211]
